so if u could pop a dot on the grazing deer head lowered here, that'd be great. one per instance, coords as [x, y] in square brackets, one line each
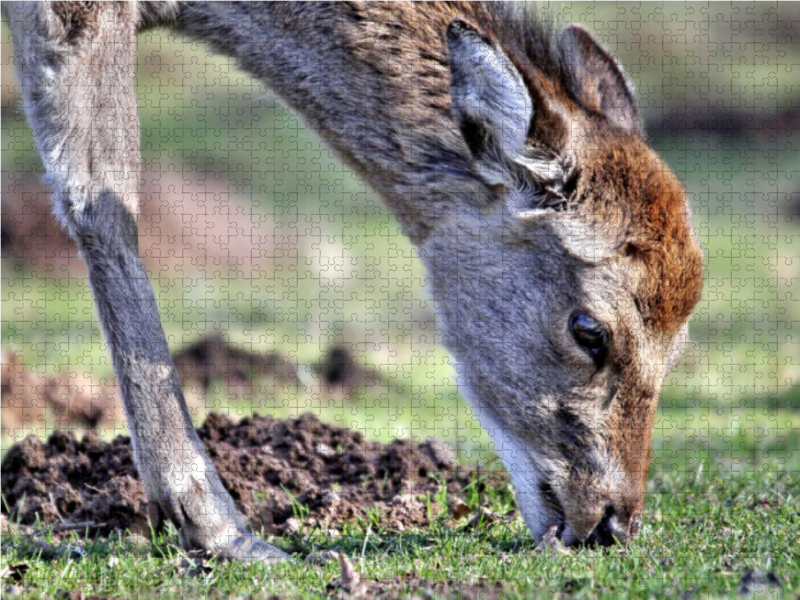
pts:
[566, 296]
[558, 244]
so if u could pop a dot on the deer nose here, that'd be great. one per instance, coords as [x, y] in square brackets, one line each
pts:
[615, 528]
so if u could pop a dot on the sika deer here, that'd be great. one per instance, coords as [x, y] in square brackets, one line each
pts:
[559, 245]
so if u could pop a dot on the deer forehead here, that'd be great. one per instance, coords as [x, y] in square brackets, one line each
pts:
[632, 208]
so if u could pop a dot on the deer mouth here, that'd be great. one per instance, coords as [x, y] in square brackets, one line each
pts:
[604, 535]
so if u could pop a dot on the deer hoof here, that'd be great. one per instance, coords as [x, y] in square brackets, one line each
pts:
[246, 547]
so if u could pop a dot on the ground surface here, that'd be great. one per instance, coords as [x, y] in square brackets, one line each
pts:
[410, 523]
[272, 468]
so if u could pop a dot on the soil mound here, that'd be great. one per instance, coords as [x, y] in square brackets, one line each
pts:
[333, 473]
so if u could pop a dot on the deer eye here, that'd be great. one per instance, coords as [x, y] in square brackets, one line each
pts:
[592, 335]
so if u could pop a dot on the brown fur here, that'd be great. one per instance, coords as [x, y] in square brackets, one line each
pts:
[647, 204]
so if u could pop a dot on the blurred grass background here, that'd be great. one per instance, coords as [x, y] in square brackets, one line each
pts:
[719, 91]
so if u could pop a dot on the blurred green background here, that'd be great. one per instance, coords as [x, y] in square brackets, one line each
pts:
[719, 89]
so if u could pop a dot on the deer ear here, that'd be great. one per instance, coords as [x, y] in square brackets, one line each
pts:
[597, 80]
[491, 102]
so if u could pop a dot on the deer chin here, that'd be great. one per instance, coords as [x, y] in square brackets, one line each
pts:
[539, 510]
[538, 513]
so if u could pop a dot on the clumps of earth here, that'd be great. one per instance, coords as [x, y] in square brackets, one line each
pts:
[270, 466]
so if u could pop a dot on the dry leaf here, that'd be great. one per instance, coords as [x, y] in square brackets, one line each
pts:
[351, 583]
[458, 509]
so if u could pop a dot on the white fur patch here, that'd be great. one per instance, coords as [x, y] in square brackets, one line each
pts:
[520, 462]
[583, 240]
[543, 169]
[579, 238]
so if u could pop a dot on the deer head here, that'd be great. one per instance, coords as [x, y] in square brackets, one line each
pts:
[565, 294]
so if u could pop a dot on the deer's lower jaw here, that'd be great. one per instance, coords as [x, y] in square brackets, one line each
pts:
[595, 523]
[536, 506]
[539, 514]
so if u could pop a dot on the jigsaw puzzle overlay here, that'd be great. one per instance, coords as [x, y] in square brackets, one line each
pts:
[305, 332]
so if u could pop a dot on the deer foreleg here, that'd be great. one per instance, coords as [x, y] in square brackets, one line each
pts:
[75, 62]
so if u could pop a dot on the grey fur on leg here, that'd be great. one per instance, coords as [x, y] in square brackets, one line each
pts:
[75, 62]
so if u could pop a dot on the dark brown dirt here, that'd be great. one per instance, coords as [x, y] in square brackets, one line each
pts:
[333, 472]
[213, 358]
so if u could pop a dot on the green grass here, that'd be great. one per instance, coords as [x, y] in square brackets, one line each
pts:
[702, 533]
